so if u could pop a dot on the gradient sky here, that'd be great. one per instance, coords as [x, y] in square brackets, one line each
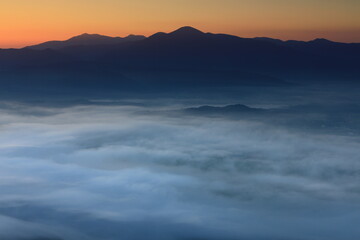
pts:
[25, 22]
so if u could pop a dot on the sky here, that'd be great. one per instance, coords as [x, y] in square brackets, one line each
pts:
[24, 22]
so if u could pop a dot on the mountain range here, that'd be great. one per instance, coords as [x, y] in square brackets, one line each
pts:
[182, 60]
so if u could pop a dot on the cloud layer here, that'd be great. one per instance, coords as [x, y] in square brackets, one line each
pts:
[110, 172]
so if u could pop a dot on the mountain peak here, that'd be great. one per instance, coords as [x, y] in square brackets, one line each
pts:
[134, 37]
[183, 33]
[87, 36]
[321, 40]
[187, 30]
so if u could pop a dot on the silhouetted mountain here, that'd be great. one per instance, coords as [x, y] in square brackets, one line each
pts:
[330, 109]
[187, 30]
[184, 33]
[190, 48]
[319, 117]
[183, 60]
[229, 109]
[86, 40]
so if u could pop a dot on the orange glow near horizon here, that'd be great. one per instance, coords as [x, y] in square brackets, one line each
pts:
[24, 22]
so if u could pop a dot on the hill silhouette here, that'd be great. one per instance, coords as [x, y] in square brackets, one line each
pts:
[87, 40]
[186, 59]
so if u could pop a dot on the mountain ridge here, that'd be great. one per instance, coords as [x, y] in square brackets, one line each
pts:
[186, 32]
[183, 60]
[86, 39]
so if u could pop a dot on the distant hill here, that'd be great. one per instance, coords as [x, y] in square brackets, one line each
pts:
[229, 109]
[86, 40]
[342, 117]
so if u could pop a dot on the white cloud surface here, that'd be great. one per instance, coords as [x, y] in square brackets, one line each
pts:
[100, 172]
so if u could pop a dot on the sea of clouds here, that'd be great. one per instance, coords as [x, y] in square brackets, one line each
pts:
[129, 172]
